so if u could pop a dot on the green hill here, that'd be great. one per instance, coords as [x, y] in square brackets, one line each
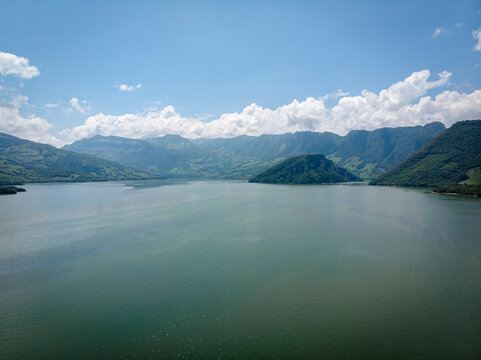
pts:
[451, 158]
[24, 161]
[304, 169]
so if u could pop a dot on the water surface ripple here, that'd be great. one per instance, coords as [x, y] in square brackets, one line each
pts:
[231, 270]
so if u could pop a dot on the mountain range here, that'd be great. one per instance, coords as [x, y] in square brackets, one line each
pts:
[366, 154]
[24, 161]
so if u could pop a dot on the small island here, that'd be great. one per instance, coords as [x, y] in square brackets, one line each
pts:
[10, 190]
[304, 169]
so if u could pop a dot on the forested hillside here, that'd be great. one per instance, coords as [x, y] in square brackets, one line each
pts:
[451, 158]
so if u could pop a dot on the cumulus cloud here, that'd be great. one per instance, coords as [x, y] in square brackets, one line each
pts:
[31, 127]
[50, 106]
[11, 64]
[125, 87]
[438, 32]
[76, 105]
[404, 103]
[477, 37]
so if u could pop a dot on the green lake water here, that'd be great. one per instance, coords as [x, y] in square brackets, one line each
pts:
[231, 270]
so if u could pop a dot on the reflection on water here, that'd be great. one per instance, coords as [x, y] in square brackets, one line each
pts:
[212, 269]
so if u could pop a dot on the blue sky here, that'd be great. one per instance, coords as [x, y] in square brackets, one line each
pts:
[191, 63]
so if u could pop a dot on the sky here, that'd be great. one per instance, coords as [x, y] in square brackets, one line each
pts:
[75, 69]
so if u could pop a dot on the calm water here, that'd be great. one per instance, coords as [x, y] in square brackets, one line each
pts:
[238, 271]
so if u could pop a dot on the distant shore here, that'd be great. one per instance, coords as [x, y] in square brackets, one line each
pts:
[467, 190]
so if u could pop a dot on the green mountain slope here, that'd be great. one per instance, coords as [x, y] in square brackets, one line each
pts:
[304, 169]
[453, 157]
[26, 161]
[364, 153]
[368, 154]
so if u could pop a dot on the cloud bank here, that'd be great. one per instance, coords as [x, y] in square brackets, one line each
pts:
[404, 103]
[11, 64]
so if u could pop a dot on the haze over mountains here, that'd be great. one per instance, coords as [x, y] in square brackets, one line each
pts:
[26, 161]
[366, 154]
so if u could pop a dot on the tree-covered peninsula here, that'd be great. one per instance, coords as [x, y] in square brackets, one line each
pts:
[10, 190]
[304, 169]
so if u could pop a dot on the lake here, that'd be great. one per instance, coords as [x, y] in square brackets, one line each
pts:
[232, 270]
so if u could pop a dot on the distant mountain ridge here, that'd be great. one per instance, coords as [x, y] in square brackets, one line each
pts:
[24, 161]
[304, 169]
[451, 158]
[366, 154]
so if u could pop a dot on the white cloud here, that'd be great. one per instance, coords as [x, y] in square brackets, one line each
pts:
[402, 104]
[75, 104]
[31, 127]
[335, 95]
[477, 37]
[50, 106]
[19, 100]
[124, 87]
[458, 25]
[438, 32]
[11, 64]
